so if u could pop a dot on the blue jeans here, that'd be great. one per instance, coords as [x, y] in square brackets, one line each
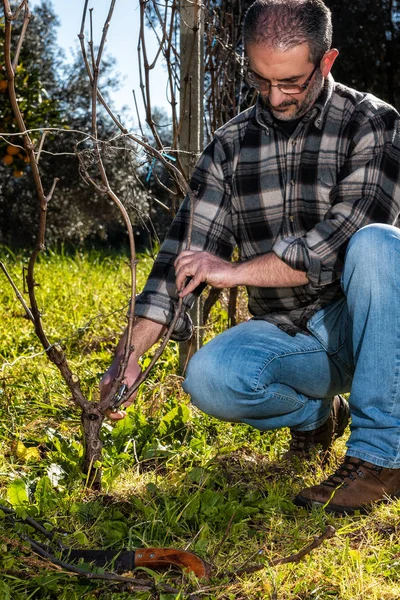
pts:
[255, 373]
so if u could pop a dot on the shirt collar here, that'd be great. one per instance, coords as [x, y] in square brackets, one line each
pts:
[317, 112]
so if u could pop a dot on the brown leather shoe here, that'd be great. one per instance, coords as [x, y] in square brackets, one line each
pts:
[303, 443]
[354, 486]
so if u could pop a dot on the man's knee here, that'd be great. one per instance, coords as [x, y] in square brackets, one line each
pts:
[372, 252]
[373, 242]
[196, 370]
[201, 381]
[215, 381]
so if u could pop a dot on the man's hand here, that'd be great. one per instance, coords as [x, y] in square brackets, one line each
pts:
[266, 270]
[132, 372]
[203, 267]
[145, 333]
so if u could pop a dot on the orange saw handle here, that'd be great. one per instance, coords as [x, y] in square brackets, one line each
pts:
[161, 558]
[152, 558]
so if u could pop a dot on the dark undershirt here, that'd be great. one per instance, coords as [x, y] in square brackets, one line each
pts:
[288, 127]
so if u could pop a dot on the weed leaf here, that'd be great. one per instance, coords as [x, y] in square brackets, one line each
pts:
[17, 493]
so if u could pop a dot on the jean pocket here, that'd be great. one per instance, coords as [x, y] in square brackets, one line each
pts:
[330, 326]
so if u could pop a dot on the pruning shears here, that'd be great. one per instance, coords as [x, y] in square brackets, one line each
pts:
[118, 397]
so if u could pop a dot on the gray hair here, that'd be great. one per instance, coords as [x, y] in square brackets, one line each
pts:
[283, 24]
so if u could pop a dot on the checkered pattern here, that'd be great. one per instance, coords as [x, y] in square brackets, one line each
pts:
[301, 197]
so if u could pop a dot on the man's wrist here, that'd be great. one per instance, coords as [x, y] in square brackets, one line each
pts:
[239, 272]
[132, 359]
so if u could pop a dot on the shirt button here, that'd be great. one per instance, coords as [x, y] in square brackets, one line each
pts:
[292, 182]
[291, 218]
[294, 142]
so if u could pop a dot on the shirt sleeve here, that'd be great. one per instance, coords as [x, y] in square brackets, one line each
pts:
[211, 232]
[367, 191]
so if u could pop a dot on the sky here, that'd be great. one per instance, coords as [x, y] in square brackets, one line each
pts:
[122, 40]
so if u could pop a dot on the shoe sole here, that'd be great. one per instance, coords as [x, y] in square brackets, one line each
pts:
[329, 508]
[340, 510]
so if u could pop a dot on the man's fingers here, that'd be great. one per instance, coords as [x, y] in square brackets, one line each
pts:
[132, 373]
[191, 286]
[191, 264]
[105, 384]
[186, 267]
[106, 379]
[197, 275]
[182, 276]
[116, 415]
[120, 413]
[185, 254]
[189, 261]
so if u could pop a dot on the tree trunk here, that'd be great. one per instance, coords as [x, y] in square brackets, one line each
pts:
[91, 425]
[191, 126]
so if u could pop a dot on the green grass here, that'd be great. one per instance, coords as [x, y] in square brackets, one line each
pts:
[172, 476]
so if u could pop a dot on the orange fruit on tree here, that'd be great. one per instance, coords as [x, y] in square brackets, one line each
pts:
[3, 85]
[12, 150]
[7, 159]
[18, 174]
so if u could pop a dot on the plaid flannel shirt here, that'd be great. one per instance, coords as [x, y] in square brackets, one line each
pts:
[301, 197]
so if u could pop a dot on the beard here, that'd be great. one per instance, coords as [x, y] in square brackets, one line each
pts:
[283, 112]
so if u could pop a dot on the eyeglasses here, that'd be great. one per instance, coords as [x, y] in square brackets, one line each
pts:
[264, 85]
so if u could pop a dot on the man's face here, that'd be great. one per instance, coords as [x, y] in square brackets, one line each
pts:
[291, 66]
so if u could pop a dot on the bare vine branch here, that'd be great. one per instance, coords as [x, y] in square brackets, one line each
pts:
[54, 352]
[329, 532]
[17, 292]
[223, 64]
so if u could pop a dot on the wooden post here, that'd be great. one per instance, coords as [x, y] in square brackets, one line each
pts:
[191, 134]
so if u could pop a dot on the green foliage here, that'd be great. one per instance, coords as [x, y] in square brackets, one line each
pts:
[52, 93]
[37, 102]
[17, 493]
[172, 476]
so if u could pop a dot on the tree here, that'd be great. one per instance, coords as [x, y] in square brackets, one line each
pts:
[53, 94]
[92, 152]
